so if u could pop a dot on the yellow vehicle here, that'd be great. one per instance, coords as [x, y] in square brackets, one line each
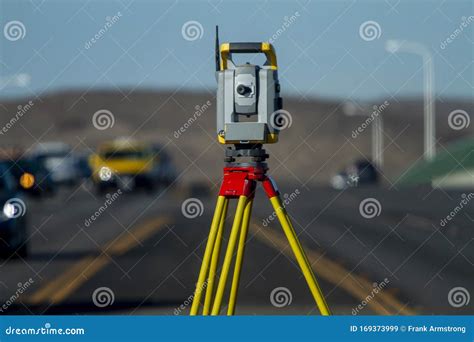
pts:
[126, 165]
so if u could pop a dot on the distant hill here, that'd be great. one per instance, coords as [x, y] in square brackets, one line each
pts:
[317, 144]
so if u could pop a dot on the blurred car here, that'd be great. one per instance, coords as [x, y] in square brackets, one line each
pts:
[59, 161]
[13, 229]
[126, 165]
[32, 177]
[166, 169]
[360, 173]
[82, 166]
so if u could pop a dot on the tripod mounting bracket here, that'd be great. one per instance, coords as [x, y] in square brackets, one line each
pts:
[242, 180]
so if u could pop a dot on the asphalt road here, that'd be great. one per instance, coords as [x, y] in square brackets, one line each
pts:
[142, 255]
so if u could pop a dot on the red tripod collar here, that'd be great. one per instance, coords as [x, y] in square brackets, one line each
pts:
[242, 180]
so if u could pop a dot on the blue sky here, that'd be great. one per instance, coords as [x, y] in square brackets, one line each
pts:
[321, 53]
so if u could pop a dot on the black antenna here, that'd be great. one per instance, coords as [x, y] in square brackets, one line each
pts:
[218, 59]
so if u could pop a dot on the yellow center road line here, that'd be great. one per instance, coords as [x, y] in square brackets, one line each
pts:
[383, 303]
[59, 288]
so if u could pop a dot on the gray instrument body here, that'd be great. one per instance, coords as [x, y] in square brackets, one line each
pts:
[247, 96]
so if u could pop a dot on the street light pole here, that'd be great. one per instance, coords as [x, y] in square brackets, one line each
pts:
[394, 46]
[429, 105]
[377, 141]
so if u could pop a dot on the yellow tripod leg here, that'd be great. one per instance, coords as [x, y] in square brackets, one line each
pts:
[207, 254]
[228, 255]
[240, 257]
[300, 255]
[214, 262]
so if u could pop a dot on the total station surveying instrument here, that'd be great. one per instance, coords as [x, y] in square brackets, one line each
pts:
[248, 103]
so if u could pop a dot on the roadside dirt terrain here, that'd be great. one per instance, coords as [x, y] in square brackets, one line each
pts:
[318, 143]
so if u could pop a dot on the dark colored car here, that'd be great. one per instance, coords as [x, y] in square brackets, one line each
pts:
[60, 161]
[42, 184]
[13, 228]
[360, 173]
[166, 170]
[83, 167]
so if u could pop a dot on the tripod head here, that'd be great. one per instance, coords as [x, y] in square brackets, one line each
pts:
[255, 153]
[248, 95]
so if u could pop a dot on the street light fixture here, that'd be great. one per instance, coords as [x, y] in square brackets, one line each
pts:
[17, 80]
